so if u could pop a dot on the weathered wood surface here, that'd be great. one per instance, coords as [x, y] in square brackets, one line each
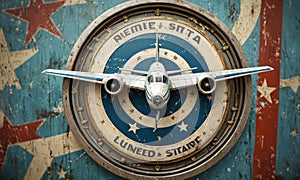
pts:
[35, 141]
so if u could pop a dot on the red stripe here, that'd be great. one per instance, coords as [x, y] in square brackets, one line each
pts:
[267, 112]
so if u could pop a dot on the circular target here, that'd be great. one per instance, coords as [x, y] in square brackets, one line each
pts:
[115, 123]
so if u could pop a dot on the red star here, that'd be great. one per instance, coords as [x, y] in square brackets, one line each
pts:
[15, 134]
[37, 14]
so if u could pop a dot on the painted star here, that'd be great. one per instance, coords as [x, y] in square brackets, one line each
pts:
[59, 145]
[266, 91]
[61, 174]
[9, 61]
[133, 128]
[72, 2]
[10, 135]
[293, 83]
[183, 126]
[37, 14]
[2, 117]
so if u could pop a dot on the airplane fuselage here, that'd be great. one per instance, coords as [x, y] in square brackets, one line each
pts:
[157, 86]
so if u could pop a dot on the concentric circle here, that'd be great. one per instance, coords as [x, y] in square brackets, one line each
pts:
[179, 108]
[119, 131]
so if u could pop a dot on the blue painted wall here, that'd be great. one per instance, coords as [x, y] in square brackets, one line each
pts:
[39, 96]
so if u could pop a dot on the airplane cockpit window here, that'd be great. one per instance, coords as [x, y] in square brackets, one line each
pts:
[158, 79]
[165, 80]
[150, 79]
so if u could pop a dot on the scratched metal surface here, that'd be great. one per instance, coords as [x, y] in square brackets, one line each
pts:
[35, 142]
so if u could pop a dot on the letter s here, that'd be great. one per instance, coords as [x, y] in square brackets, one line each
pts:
[169, 153]
[172, 26]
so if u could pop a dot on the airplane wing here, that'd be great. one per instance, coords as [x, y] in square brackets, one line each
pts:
[174, 72]
[134, 81]
[184, 80]
[143, 73]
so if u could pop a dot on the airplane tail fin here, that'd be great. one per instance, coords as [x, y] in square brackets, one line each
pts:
[156, 48]
[157, 119]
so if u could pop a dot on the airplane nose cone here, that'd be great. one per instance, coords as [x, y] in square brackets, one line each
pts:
[157, 100]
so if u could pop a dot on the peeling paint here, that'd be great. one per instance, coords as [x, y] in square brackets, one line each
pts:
[11, 61]
[231, 167]
[59, 145]
[73, 2]
[1, 118]
[247, 19]
[293, 83]
[294, 133]
[59, 109]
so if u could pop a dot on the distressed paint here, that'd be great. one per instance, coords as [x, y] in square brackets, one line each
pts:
[40, 96]
[288, 139]
[10, 135]
[268, 91]
[247, 19]
[10, 61]
[293, 83]
[44, 150]
[74, 2]
[1, 118]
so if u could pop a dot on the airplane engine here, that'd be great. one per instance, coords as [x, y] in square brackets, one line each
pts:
[206, 84]
[113, 85]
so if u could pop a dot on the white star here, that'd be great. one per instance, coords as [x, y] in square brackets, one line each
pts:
[133, 128]
[61, 174]
[182, 126]
[9, 61]
[266, 91]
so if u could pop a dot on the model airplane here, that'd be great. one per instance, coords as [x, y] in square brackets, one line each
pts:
[157, 82]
